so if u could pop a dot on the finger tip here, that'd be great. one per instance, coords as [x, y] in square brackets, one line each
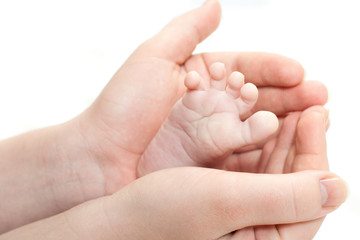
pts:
[317, 93]
[214, 7]
[334, 191]
[292, 72]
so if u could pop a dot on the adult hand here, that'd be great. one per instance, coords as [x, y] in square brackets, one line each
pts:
[167, 57]
[196, 203]
[97, 153]
[300, 145]
[128, 113]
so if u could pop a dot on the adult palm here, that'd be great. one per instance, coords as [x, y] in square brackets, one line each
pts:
[299, 145]
[132, 107]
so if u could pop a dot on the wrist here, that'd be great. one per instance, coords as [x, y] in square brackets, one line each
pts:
[74, 173]
[102, 139]
[45, 172]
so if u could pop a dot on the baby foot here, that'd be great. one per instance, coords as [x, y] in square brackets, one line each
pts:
[205, 126]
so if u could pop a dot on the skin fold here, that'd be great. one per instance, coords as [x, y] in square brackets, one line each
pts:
[92, 160]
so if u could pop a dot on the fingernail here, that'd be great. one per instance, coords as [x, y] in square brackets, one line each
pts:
[333, 192]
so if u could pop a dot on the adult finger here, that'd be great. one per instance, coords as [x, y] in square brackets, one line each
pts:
[194, 203]
[311, 140]
[220, 202]
[178, 39]
[270, 155]
[284, 100]
[149, 83]
[311, 148]
[279, 79]
[277, 155]
[282, 153]
[279, 199]
[261, 69]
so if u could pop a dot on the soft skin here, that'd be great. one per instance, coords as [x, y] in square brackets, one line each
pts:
[207, 204]
[97, 153]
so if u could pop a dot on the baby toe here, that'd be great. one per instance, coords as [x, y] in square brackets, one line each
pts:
[217, 76]
[193, 81]
[235, 83]
[249, 93]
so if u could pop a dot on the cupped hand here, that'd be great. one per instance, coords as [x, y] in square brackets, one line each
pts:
[299, 145]
[97, 153]
[131, 109]
[123, 120]
[196, 203]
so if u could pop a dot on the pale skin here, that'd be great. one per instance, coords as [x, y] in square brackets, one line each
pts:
[98, 152]
[205, 126]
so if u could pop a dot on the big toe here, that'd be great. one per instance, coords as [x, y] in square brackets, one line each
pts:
[260, 125]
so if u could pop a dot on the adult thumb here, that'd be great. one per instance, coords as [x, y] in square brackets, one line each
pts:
[197, 203]
[178, 39]
[287, 198]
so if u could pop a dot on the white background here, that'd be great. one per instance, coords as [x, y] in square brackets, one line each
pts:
[56, 56]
